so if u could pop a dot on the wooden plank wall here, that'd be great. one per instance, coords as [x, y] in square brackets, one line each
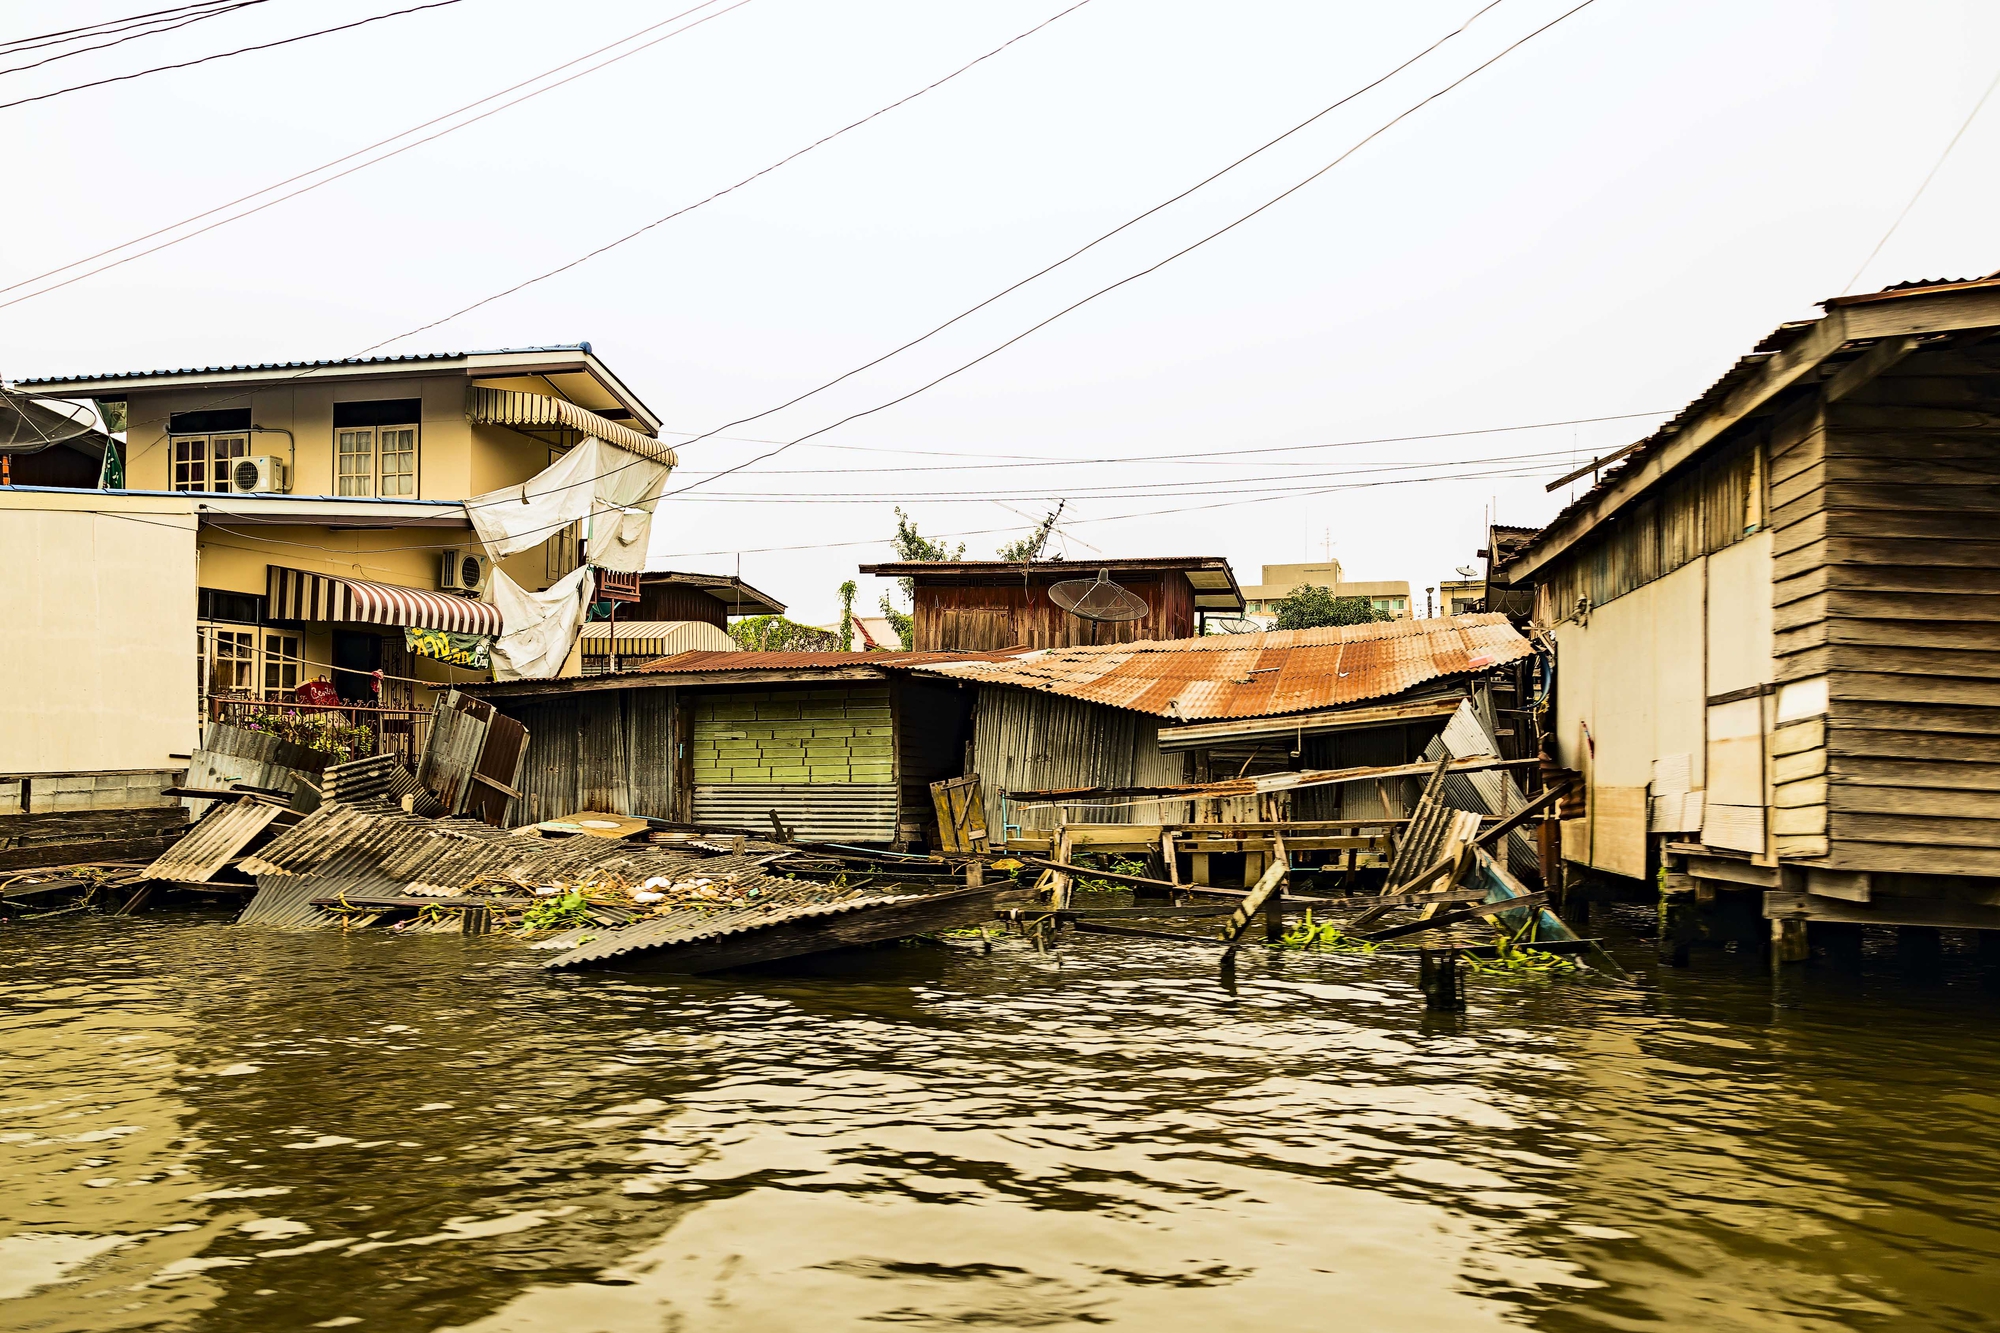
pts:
[1694, 513]
[957, 614]
[673, 601]
[1886, 517]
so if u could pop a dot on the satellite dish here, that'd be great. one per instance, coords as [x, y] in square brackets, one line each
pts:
[1098, 599]
[1233, 625]
[1467, 572]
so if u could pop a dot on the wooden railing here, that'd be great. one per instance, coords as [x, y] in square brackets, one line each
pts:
[398, 731]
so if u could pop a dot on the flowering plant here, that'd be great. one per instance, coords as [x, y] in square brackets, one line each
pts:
[329, 733]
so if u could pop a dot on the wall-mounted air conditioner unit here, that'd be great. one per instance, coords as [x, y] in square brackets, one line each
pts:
[260, 474]
[464, 571]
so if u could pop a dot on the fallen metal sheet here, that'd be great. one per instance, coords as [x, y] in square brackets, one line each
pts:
[231, 755]
[374, 851]
[692, 940]
[379, 776]
[222, 833]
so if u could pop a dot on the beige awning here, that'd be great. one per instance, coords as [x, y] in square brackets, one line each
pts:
[538, 411]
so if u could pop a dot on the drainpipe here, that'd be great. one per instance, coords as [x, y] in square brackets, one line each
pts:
[292, 447]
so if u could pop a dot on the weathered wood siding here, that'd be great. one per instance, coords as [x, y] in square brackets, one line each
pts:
[961, 614]
[1886, 512]
[672, 601]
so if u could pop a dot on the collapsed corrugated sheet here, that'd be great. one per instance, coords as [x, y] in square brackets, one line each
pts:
[378, 777]
[1258, 675]
[374, 854]
[223, 832]
[230, 755]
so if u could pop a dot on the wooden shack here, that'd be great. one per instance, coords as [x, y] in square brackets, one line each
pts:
[839, 746]
[1775, 623]
[985, 605]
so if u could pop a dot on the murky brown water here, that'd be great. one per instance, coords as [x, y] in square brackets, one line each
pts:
[235, 1129]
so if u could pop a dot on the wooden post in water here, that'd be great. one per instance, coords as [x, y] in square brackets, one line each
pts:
[1437, 977]
[1788, 941]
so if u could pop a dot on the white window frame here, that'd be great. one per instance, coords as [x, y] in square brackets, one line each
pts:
[373, 477]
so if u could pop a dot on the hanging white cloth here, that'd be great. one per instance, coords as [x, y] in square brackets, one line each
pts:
[595, 478]
[538, 629]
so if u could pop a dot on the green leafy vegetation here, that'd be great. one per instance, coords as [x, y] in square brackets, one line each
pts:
[1309, 607]
[561, 912]
[330, 734]
[776, 634]
[1323, 937]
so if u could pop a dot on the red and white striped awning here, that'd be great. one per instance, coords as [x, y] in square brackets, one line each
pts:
[296, 594]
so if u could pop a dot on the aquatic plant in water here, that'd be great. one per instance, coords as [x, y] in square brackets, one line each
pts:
[558, 913]
[1324, 936]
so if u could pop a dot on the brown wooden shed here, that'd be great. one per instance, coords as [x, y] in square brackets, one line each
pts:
[985, 605]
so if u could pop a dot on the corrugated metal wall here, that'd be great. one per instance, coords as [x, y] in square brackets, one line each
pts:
[831, 812]
[610, 750]
[1024, 740]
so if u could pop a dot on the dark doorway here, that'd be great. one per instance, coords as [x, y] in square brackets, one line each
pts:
[356, 658]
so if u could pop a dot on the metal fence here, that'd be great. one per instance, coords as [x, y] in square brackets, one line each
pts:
[397, 731]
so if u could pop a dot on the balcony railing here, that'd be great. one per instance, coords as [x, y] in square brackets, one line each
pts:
[398, 731]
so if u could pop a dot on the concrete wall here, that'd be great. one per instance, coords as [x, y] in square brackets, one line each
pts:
[98, 648]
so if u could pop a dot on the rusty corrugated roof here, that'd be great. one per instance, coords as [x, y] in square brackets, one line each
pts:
[709, 660]
[1257, 675]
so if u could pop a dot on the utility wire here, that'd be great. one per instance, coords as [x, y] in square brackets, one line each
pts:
[89, 30]
[1206, 457]
[661, 221]
[1093, 244]
[224, 55]
[379, 143]
[152, 30]
[1156, 267]
[1928, 178]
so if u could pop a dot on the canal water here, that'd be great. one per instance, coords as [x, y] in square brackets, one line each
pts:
[213, 1128]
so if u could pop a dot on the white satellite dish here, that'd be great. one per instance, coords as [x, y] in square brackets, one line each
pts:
[1468, 572]
[1098, 599]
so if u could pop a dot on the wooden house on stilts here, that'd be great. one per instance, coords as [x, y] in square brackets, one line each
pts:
[1775, 621]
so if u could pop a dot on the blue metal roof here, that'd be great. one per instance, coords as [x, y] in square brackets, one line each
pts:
[583, 347]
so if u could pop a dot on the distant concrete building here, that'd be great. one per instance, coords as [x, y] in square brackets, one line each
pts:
[1457, 597]
[1392, 596]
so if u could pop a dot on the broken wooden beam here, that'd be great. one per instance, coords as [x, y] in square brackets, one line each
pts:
[1458, 918]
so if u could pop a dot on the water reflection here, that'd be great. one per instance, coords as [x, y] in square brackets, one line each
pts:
[225, 1129]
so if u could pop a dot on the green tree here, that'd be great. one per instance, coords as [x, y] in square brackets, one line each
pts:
[847, 591]
[904, 624]
[1309, 607]
[775, 634]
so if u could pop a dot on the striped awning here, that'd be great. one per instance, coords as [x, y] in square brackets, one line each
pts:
[517, 407]
[296, 594]
[653, 638]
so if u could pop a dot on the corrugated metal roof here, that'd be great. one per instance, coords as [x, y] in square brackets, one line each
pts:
[223, 832]
[374, 850]
[740, 661]
[1771, 344]
[1258, 675]
[246, 368]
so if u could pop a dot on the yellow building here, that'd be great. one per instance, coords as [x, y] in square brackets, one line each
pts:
[1280, 581]
[278, 524]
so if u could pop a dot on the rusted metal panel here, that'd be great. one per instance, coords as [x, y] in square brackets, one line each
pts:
[224, 832]
[1259, 675]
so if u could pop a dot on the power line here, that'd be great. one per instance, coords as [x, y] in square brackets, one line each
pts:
[348, 157]
[1205, 457]
[1154, 268]
[150, 30]
[88, 30]
[661, 221]
[1928, 178]
[224, 55]
[1083, 249]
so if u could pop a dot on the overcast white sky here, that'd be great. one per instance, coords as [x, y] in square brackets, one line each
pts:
[1597, 225]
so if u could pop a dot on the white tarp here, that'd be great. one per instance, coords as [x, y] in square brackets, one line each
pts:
[539, 627]
[595, 478]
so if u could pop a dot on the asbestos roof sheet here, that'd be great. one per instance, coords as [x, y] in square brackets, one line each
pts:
[1258, 675]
